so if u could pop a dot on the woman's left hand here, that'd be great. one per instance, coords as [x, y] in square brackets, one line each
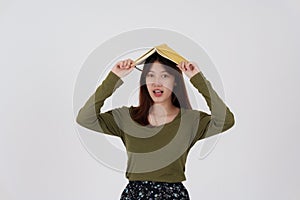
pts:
[188, 68]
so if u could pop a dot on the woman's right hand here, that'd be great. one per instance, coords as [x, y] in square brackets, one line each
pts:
[124, 67]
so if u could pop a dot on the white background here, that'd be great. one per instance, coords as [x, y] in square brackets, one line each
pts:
[254, 45]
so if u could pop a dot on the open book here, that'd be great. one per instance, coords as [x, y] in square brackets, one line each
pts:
[163, 50]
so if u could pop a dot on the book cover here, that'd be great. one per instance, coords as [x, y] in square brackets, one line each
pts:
[163, 50]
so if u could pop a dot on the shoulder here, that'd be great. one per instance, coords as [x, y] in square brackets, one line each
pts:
[121, 110]
[194, 114]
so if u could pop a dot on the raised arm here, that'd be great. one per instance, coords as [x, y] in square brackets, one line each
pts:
[90, 115]
[221, 118]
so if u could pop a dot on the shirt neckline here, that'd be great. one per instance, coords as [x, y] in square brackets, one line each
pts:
[150, 127]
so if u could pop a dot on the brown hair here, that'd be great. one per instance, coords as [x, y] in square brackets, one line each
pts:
[179, 93]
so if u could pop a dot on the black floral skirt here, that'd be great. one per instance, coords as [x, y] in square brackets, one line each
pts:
[152, 190]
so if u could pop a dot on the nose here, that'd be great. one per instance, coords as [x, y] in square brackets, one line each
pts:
[157, 82]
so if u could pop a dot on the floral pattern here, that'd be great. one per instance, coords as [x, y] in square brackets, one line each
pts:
[152, 190]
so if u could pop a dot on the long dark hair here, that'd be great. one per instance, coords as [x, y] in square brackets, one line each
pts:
[179, 93]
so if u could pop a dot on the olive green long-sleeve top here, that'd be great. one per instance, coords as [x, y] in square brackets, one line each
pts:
[156, 153]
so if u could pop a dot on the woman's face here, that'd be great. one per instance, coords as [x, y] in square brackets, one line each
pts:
[159, 83]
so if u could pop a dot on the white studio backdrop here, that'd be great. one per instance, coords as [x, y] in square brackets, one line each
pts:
[253, 45]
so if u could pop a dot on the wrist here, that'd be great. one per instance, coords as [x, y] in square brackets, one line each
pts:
[116, 73]
[193, 74]
[114, 79]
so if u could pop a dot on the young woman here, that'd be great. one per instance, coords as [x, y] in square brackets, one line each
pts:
[158, 133]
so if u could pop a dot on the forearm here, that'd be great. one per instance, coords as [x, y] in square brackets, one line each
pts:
[221, 116]
[88, 115]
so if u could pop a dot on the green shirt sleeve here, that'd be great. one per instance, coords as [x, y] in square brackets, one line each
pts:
[89, 116]
[220, 119]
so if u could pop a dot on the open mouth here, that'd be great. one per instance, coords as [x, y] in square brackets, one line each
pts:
[158, 93]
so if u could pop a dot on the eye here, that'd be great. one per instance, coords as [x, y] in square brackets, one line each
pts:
[165, 76]
[150, 75]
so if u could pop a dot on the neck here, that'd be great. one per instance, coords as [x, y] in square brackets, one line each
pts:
[162, 109]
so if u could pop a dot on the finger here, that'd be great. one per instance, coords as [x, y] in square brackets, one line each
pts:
[132, 64]
[190, 66]
[119, 64]
[180, 65]
[124, 63]
[130, 69]
[128, 63]
[124, 66]
[184, 65]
